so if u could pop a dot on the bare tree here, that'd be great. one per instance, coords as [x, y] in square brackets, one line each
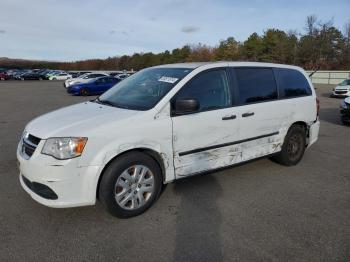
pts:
[311, 22]
[347, 32]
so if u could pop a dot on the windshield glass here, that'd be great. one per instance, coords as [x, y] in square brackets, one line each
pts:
[143, 90]
[345, 82]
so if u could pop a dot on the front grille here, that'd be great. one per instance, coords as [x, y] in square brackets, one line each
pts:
[29, 144]
[340, 92]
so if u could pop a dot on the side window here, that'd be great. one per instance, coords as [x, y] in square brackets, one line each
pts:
[292, 83]
[210, 89]
[255, 85]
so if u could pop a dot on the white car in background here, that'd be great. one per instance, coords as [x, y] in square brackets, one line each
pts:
[83, 78]
[60, 76]
[342, 90]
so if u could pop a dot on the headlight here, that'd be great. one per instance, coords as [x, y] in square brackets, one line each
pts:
[343, 104]
[64, 147]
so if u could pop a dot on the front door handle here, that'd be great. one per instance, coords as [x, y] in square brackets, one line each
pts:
[231, 117]
[248, 114]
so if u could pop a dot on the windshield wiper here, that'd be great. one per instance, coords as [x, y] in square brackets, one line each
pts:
[104, 102]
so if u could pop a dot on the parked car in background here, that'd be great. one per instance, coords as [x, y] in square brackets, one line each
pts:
[166, 123]
[4, 76]
[60, 76]
[77, 74]
[342, 90]
[95, 86]
[31, 76]
[83, 78]
[345, 110]
[18, 75]
[122, 76]
[53, 72]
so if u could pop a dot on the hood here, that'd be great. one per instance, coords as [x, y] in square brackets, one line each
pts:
[76, 120]
[78, 81]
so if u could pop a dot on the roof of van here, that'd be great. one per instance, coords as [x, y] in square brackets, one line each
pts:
[194, 65]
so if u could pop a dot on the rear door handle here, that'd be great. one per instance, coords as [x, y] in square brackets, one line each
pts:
[231, 117]
[248, 114]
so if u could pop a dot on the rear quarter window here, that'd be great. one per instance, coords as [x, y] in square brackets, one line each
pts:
[292, 83]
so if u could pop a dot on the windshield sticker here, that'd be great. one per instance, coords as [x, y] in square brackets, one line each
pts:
[168, 79]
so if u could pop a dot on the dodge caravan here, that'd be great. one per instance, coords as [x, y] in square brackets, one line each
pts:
[166, 123]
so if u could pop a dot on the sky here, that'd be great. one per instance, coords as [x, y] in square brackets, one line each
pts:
[69, 30]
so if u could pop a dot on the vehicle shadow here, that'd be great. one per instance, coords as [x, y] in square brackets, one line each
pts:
[330, 115]
[199, 219]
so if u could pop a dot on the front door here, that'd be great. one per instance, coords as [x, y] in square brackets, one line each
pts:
[204, 140]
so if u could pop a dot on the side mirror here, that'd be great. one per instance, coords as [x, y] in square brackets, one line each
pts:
[186, 106]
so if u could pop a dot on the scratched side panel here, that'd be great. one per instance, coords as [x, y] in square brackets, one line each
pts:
[207, 160]
[202, 130]
[230, 155]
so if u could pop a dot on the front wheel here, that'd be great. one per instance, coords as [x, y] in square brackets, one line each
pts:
[293, 147]
[130, 185]
[84, 92]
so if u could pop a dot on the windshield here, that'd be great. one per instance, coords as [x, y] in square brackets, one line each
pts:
[143, 90]
[345, 82]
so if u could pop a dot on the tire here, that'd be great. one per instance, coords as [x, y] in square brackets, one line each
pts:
[293, 147]
[137, 196]
[344, 121]
[84, 92]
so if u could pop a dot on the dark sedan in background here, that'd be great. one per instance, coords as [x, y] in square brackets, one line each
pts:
[33, 76]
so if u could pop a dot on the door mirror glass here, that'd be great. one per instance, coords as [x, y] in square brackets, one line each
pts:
[186, 106]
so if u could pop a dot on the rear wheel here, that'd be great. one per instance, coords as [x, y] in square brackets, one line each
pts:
[130, 185]
[84, 92]
[293, 147]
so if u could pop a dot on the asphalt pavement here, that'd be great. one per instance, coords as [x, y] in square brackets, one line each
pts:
[259, 211]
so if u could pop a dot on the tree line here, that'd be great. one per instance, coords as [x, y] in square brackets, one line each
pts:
[320, 46]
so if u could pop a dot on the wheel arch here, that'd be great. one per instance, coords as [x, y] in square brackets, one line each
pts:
[150, 152]
[303, 124]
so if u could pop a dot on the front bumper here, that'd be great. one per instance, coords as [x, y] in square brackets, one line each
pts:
[73, 91]
[340, 93]
[72, 184]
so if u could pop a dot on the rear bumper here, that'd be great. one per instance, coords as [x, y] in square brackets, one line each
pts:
[313, 132]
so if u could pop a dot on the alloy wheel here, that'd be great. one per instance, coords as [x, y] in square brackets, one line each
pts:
[134, 187]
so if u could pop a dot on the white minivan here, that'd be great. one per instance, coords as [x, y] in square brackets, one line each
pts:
[165, 123]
